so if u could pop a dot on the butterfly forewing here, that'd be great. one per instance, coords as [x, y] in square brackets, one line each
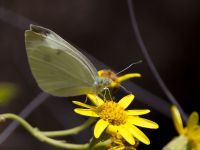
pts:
[58, 70]
[52, 36]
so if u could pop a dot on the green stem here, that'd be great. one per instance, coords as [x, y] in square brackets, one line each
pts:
[74, 130]
[40, 136]
[103, 144]
[43, 136]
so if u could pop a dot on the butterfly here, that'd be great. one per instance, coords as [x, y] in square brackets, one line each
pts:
[58, 67]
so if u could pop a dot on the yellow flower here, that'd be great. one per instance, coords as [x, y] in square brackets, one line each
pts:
[115, 79]
[115, 119]
[192, 129]
[118, 143]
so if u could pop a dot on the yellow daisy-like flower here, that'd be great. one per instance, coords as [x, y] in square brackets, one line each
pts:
[118, 143]
[115, 119]
[192, 129]
[115, 79]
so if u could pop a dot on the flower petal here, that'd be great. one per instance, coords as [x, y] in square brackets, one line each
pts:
[82, 104]
[111, 129]
[177, 120]
[100, 127]
[137, 133]
[100, 72]
[137, 112]
[142, 122]
[114, 84]
[120, 147]
[86, 112]
[95, 99]
[126, 135]
[128, 76]
[126, 101]
[193, 120]
[194, 132]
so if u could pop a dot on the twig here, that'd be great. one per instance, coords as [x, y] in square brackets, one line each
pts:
[153, 69]
[39, 99]
[43, 138]
[74, 130]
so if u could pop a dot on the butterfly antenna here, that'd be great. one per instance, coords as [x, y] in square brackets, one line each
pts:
[140, 61]
[127, 91]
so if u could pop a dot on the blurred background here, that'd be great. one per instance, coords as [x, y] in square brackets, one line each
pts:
[170, 30]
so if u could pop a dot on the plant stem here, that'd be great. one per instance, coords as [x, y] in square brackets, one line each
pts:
[40, 136]
[152, 67]
[74, 130]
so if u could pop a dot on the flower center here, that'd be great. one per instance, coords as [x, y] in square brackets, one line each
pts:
[112, 112]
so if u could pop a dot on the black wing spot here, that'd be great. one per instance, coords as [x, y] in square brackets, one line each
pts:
[40, 30]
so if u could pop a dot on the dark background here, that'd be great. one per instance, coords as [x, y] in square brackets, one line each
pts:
[170, 30]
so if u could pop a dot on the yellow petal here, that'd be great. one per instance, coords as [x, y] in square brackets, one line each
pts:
[177, 120]
[111, 129]
[142, 122]
[126, 135]
[128, 76]
[120, 147]
[137, 133]
[82, 104]
[114, 84]
[86, 112]
[137, 112]
[100, 72]
[194, 133]
[193, 120]
[100, 127]
[95, 99]
[126, 101]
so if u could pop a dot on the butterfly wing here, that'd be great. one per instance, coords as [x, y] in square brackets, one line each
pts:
[57, 66]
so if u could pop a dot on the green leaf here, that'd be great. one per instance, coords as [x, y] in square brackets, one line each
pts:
[7, 92]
